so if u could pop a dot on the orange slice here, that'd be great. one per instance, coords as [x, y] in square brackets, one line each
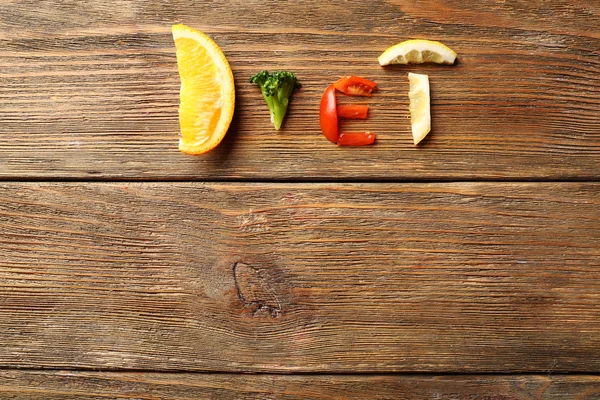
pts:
[207, 97]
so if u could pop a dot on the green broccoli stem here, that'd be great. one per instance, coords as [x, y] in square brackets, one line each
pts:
[269, 100]
[278, 111]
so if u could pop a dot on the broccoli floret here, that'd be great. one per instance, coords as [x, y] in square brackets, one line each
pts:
[276, 89]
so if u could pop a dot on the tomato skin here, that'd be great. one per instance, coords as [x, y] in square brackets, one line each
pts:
[328, 115]
[355, 86]
[356, 138]
[353, 111]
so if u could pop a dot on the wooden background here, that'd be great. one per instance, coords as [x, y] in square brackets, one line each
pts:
[280, 266]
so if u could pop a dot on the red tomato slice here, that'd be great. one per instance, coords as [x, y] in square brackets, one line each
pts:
[355, 86]
[328, 115]
[356, 138]
[353, 111]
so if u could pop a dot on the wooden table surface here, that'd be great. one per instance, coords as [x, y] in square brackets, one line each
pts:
[280, 266]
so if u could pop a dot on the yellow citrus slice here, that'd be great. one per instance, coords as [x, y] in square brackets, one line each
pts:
[207, 96]
[417, 51]
[420, 117]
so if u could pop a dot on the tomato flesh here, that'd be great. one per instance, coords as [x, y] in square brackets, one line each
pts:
[356, 138]
[355, 86]
[328, 117]
[353, 111]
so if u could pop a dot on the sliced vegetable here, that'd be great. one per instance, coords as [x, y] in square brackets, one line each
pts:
[328, 115]
[353, 111]
[355, 86]
[356, 138]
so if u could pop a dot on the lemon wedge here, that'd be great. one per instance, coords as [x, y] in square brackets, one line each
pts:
[207, 96]
[417, 51]
[420, 116]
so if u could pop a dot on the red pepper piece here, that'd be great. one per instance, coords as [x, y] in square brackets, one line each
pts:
[356, 138]
[355, 86]
[328, 115]
[353, 111]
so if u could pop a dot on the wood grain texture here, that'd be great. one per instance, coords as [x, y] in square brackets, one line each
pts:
[63, 385]
[90, 90]
[471, 277]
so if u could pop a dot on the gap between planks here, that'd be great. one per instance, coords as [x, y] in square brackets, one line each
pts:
[545, 373]
[316, 180]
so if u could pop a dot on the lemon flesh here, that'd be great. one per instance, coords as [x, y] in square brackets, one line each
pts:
[420, 114]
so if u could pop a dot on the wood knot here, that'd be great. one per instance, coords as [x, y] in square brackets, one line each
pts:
[254, 291]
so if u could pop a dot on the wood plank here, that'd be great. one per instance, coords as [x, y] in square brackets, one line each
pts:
[63, 385]
[90, 90]
[470, 277]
